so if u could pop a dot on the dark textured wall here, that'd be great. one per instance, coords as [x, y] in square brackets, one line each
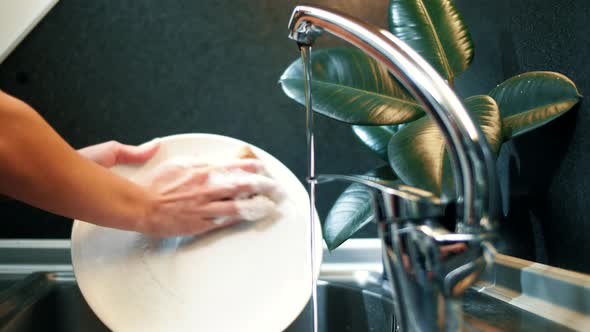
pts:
[547, 169]
[132, 70]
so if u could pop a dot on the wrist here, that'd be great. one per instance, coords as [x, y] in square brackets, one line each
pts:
[146, 211]
[137, 210]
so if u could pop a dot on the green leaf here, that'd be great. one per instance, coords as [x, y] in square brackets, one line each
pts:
[434, 29]
[352, 210]
[417, 152]
[532, 99]
[375, 138]
[349, 86]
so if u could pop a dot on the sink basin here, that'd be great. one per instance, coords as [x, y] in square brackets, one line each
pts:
[47, 302]
[7, 280]
[53, 302]
[350, 293]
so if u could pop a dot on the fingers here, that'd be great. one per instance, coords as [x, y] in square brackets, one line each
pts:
[255, 208]
[240, 179]
[224, 221]
[220, 209]
[240, 184]
[208, 166]
[187, 162]
[198, 196]
[216, 223]
[235, 179]
[130, 154]
[247, 165]
[252, 209]
[219, 193]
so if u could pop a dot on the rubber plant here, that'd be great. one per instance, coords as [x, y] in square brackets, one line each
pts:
[350, 87]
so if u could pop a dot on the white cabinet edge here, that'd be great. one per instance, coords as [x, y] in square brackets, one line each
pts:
[20, 32]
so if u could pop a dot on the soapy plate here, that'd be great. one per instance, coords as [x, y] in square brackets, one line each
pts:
[249, 277]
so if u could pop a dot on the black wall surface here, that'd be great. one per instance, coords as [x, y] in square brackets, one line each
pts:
[133, 70]
[547, 169]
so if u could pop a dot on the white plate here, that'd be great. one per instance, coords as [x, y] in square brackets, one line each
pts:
[250, 277]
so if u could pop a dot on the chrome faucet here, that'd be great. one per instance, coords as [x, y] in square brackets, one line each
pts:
[428, 266]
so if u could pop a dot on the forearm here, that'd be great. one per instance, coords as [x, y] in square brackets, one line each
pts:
[38, 167]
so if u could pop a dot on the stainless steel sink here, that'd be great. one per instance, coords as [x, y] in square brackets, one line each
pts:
[351, 296]
[8, 280]
[47, 302]
[53, 302]
[347, 309]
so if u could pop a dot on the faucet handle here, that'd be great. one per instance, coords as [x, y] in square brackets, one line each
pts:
[392, 200]
[407, 203]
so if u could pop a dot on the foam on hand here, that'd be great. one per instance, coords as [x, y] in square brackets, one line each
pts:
[258, 183]
[256, 208]
[251, 208]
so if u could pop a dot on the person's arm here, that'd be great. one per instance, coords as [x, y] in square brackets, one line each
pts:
[38, 167]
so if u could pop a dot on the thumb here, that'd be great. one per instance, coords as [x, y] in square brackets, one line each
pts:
[130, 154]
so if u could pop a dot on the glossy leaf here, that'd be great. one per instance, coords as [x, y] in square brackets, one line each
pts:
[349, 86]
[375, 138]
[530, 100]
[352, 210]
[435, 29]
[417, 152]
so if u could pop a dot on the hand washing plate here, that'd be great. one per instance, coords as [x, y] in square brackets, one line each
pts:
[250, 277]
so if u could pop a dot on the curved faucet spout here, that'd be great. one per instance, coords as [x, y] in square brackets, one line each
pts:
[471, 157]
[429, 266]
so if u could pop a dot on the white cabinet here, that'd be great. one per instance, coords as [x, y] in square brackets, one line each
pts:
[17, 19]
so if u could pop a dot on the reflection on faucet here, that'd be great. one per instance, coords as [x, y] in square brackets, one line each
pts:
[429, 266]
